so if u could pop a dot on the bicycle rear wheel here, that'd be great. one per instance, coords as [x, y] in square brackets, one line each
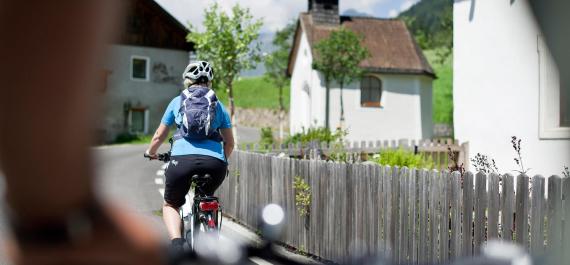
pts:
[182, 223]
[194, 227]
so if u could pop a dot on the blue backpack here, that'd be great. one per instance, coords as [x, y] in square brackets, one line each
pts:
[198, 111]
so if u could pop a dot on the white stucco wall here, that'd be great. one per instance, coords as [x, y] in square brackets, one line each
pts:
[496, 85]
[304, 109]
[400, 116]
[154, 94]
[406, 101]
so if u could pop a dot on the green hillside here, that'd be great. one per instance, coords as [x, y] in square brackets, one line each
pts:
[431, 22]
[442, 87]
[255, 92]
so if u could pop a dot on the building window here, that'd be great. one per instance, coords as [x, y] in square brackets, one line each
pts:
[554, 110]
[370, 92]
[138, 121]
[140, 68]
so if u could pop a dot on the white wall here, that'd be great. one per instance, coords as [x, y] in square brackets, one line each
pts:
[496, 85]
[307, 97]
[154, 94]
[400, 116]
[299, 105]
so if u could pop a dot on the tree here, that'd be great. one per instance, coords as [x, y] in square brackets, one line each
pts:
[228, 43]
[337, 59]
[276, 66]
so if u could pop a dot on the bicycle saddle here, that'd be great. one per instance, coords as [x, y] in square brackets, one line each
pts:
[200, 178]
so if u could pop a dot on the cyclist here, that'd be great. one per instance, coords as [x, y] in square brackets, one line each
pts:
[192, 155]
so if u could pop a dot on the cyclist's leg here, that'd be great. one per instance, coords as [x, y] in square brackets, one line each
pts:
[177, 185]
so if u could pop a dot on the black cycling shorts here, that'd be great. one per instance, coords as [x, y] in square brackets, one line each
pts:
[182, 168]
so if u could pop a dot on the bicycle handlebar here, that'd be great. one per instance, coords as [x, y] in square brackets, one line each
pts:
[164, 157]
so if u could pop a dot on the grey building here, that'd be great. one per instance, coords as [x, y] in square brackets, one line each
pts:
[143, 72]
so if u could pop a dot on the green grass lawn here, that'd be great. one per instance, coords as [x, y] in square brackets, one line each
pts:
[442, 88]
[255, 92]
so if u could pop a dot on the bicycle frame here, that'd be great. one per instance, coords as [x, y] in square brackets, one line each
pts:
[205, 210]
[205, 218]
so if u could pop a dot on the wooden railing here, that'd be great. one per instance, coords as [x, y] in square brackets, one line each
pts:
[437, 149]
[413, 216]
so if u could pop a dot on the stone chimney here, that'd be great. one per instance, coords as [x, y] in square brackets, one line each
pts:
[324, 12]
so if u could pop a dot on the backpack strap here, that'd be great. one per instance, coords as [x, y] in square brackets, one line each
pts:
[214, 136]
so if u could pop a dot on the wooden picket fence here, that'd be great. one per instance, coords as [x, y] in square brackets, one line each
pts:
[436, 149]
[412, 216]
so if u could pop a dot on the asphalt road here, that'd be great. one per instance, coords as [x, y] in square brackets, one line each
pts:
[125, 177]
[248, 134]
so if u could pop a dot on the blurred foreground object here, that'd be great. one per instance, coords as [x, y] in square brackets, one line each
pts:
[49, 71]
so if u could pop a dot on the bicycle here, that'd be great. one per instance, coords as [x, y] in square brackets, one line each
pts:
[206, 215]
[206, 211]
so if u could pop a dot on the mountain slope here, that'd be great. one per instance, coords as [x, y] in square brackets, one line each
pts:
[431, 22]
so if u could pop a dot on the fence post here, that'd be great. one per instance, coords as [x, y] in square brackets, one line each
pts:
[455, 207]
[537, 216]
[388, 236]
[433, 215]
[566, 197]
[521, 227]
[493, 212]
[554, 217]
[480, 205]
[507, 207]
[424, 182]
[394, 226]
[403, 213]
[413, 218]
[444, 224]
[468, 214]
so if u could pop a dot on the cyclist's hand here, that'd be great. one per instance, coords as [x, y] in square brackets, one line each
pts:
[149, 155]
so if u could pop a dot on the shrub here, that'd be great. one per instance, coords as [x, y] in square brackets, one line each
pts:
[318, 134]
[485, 164]
[517, 146]
[338, 152]
[402, 158]
[126, 137]
[266, 136]
[302, 196]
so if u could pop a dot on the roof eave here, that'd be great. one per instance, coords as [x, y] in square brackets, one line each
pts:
[382, 70]
[294, 50]
[171, 17]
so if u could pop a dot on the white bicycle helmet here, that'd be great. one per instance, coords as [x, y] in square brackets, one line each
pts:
[195, 70]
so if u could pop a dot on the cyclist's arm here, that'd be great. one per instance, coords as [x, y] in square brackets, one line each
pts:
[158, 138]
[229, 143]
